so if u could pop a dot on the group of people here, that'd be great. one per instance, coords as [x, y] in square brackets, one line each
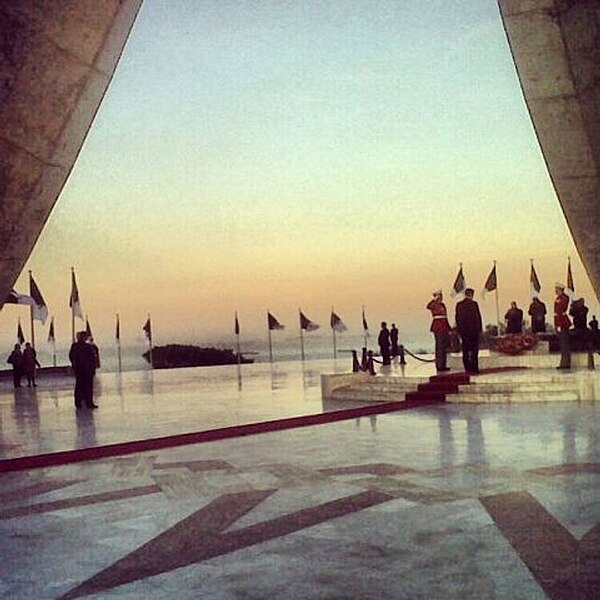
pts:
[24, 363]
[469, 325]
[85, 359]
[388, 344]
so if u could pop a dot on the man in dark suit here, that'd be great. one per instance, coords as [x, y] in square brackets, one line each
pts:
[83, 359]
[469, 326]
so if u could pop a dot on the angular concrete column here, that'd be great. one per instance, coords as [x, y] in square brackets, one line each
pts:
[556, 49]
[56, 61]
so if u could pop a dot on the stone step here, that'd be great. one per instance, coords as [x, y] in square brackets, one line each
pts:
[562, 395]
[366, 395]
[508, 387]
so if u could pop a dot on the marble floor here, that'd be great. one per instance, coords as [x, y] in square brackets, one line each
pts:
[447, 501]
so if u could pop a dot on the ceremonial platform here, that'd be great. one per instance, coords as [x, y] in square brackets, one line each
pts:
[346, 499]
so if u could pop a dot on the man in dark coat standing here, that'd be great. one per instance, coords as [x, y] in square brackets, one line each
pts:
[83, 359]
[470, 326]
[384, 343]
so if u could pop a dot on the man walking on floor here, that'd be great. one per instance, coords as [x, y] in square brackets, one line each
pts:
[470, 326]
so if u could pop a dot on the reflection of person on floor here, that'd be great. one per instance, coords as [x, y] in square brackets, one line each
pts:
[537, 312]
[514, 319]
[16, 360]
[83, 359]
[30, 362]
[562, 324]
[440, 329]
[384, 343]
[469, 325]
[394, 340]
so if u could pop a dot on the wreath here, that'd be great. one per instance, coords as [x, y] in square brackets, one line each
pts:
[516, 343]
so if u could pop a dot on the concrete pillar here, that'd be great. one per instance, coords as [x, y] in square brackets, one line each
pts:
[556, 49]
[57, 58]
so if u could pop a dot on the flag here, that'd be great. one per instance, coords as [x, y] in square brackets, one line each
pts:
[459, 285]
[273, 323]
[570, 284]
[74, 303]
[336, 323]
[307, 324]
[20, 336]
[118, 330]
[16, 298]
[51, 338]
[365, 325]
[491, 283]
[39, 310]
[236, 325]
[535, 282]
[148, 329]
[88, 329]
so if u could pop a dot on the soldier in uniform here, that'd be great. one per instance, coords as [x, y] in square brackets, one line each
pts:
[440, 327]
[562, 323]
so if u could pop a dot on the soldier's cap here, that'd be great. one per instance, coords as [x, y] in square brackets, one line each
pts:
[559, 285]
[436, 293]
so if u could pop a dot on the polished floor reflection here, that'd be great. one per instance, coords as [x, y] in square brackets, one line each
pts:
[450, 501]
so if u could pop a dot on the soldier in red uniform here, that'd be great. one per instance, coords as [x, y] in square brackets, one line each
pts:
[440, 327]
[562, 323]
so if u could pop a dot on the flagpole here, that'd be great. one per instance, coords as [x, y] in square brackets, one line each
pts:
[270, 340]
[119, 342]
[150, 340]
[497, 301]
[364, 330]
[333, 332]
[301, 339]
[237, 340]
[32, 328]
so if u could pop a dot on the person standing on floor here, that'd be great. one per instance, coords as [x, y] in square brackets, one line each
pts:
[394, 340]
[30, 362]
[440, 327]
[384, 343]
[83, 360]
[562, 323]
[537, 312]
[470, 326]
[16, 360]
[514, 319]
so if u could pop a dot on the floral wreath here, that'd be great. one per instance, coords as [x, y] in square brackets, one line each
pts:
[516, 343]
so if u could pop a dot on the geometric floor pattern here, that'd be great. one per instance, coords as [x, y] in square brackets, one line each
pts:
[439, 502]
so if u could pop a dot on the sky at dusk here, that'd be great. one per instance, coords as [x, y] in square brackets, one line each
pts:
[274, 154]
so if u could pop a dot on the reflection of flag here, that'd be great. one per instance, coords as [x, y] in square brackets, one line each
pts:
[20, 336]
[535, 282]
[236, 325]
[118, 330]
[74, 304]
[365, 325]
[336, 323]
[273, 323]
[307, 324]
[491, 283]
[88, 329]
[51, 338]
[459, 284]
[570, 284]
[16, 298]
[148, 329]
[40, 310]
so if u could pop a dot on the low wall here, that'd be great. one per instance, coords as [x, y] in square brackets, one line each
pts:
[338, 380]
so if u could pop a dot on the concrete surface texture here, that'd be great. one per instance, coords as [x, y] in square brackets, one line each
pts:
[556, 49]
[56, 62]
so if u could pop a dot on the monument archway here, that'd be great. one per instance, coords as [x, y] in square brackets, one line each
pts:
[58, 59]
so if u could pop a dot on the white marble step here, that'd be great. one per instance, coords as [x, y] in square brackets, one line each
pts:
[367, 395]
[507, 387]
[510, 397]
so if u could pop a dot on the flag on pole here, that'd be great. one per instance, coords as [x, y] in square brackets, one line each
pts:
[491, 283]
[74, 303]
[365, 324]
[460, 284]
[307, 324]
[51, 338]
[570, 284]
[236, 325]
[336, 323]
[88, 329]
[535, 282]
[16, 298]
[40, 310]
[148, 329]
[118, 330]
[273, 323]
[20, 336]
